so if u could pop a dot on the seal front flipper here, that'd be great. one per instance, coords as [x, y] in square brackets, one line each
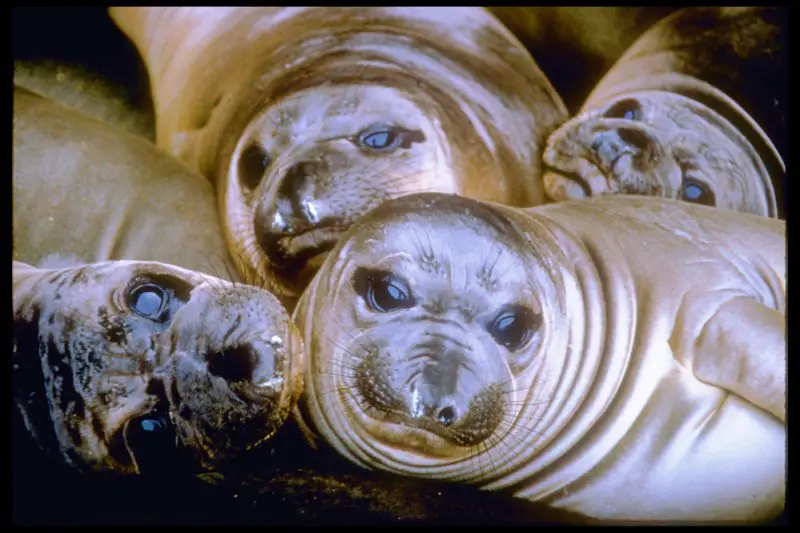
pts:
[742, 348]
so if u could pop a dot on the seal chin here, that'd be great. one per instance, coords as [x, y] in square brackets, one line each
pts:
[292, 253]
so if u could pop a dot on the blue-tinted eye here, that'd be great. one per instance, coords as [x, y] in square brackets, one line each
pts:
[692, 192]
[149, 301]
[151, 424]
[505, 322]
[514, 326]
[382, 291]
[387, 295]
[628, 109]
[151, 440]
[379, 140]
[697, 192]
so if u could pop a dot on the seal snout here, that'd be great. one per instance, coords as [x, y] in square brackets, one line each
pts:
[609, 145]
[292, 226]
[433, 395]
[256, 364]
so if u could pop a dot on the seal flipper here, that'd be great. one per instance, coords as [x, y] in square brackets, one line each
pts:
[753, 338]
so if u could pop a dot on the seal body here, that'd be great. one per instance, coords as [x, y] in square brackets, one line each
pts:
[111, 342]
[121, 365]
[620, 357]
[86, 190]
[306, 118]
[695, 110]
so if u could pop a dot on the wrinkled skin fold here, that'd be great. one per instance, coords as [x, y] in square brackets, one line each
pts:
[621, 357]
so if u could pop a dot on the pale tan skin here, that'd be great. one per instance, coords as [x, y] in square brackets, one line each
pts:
[87, 191]
[221, 364]
[648, 383]
[95, 208]
[273, 105]
[682, 115]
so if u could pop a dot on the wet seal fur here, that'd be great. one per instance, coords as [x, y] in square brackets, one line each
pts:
[307, 117]
[621, 357]
[695, 110]
[107, 354]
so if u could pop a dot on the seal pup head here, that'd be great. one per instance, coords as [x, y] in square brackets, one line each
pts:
[425, 330]
[657, 143]
[315, 161]
[124, 366]
[329, 112]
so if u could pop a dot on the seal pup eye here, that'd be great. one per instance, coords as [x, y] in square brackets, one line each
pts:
[382, 291]
[150, 301]
[514, 326]
[384, 139]
[627, 109]
[253, 162]
[697, 192]
[151, 441]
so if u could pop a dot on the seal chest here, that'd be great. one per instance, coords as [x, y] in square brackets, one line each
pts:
[523, 350]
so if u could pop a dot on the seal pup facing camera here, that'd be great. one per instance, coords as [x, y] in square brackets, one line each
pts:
[694, 110]
[620, 357]
[116, 363]
[306, 118]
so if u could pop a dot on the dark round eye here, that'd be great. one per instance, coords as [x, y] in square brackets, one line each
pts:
[252, 164]
[149, 301]
[514, 326]
[151, 440]
[628, 109]
[382, 291]
[697, 192]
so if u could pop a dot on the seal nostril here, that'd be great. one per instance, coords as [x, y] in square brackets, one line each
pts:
[234, 364]
[446, 416]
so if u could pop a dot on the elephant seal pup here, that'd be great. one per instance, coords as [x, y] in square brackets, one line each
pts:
[620, 357]
[693, 110]
[115, 363]
[308, 117]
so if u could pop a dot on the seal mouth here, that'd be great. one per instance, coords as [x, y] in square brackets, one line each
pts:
[304, 252]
